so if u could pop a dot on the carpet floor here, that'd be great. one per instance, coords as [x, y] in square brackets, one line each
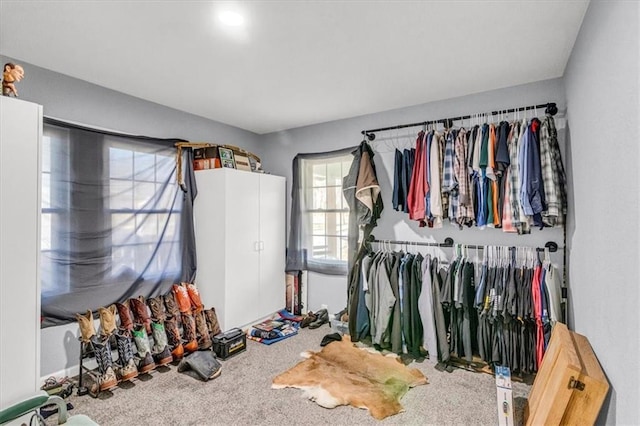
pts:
[242, 395]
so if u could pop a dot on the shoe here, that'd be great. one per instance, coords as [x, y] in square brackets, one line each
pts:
[144, 349]
[87, 329]
[128, 369]
[308, 319]
[182, 298]
[102, 350]
[212, 321]
[161, 351]
[164, 357]
[174, 339]
[107, 320]
[322, 318]
[156, 304]
[126, 317]
[141, 313]
[194, 296]
[204, 341]
[171, 306]
[189, 333]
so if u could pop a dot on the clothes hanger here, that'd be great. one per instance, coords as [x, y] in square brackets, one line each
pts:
[547, 256]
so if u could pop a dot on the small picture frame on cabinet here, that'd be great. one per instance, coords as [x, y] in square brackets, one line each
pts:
[226, 158]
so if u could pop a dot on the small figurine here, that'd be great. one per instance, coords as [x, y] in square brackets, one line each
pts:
[11, 74]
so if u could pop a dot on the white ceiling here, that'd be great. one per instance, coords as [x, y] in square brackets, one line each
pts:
[294, 63]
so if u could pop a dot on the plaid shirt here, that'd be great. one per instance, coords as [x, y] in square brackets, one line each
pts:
[444, 195]
[449, 183]
[465, 213]
[550, 189]
[553, 174]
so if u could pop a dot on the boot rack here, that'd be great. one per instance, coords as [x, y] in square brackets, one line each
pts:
[87, 353]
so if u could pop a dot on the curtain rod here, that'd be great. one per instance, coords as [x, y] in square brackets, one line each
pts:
[550, 108]
[448, 242]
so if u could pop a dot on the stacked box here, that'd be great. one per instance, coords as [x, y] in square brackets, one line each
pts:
[206, 158]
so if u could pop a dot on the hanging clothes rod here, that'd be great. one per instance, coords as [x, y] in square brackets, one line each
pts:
[448, 242]
[550, 108]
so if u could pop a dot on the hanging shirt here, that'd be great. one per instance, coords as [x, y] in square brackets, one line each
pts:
[443, 194]
[491, 149]
[425, 307]
[417, 190]
[449, 182]
[428, 183]
[502, 151]
[532, 191]
[407, 169]
[555, 292]
[477, 149]
[435, 195]
[399, 198]
[507, 215]
[552, 174]
[464, 214]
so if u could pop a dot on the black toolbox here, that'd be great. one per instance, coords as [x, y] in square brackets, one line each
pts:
[229, 343]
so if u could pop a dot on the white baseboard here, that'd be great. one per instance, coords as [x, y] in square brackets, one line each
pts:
[66, 372]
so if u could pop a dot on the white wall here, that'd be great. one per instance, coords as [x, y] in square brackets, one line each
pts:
[78, 101]
[602, 98]
[74, 100]
[283, 146]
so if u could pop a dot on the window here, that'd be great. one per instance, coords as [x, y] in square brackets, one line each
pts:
[326, 210]
[320, 241]
[111, 220]
[54, 208]
[141, 207]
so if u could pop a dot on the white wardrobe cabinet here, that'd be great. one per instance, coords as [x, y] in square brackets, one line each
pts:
[240, 244]
[20, 139]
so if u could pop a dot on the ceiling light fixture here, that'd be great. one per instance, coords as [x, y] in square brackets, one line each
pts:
[231, 19]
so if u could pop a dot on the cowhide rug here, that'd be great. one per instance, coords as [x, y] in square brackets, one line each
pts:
[342, 374]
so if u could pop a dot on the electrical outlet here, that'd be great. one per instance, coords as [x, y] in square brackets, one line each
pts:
[324, 306]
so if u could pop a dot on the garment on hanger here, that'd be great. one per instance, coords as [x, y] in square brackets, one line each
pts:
[505, 175]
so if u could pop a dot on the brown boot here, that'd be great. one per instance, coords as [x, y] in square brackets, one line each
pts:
[87, 330]
[204, 342]
[194, 296]
[107, 320]
[156, 304]
[175, 341]
[212, 321]
[172, 307]
[140, 313]
[126, 318]
[189, 333]
[182, 298]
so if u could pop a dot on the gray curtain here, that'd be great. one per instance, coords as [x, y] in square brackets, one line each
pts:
[115, 224]
[297, 257]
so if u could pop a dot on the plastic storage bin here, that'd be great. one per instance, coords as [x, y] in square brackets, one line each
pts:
[339, 326]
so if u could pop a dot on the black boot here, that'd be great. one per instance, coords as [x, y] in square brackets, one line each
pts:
[102, 350]
[128, 369]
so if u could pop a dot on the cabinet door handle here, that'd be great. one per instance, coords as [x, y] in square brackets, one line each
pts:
[256, 246]
[261, 245]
